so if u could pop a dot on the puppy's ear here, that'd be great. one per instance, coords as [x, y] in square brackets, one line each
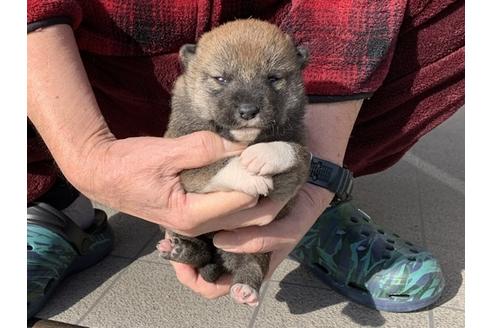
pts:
[302, 56]
[186, 53]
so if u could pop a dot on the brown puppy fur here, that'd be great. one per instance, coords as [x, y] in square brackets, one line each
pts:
[243, 81]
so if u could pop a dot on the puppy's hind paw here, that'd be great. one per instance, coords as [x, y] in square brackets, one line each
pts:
[244, 294]
[164, 246]
[169, 249]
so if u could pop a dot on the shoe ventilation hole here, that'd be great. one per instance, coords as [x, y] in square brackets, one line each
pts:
[48, 285]
[399, 295]
[391, 241]
[354, 220]
[390, 248]
[408, 243]
[381, 231]
[386, 256]
[29, 247]
[413, 250]
[411, 258]
[396, 235]
[364, 233]
[358, 287]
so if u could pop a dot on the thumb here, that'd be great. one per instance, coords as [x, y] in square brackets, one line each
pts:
[202, 148]
[252, 239]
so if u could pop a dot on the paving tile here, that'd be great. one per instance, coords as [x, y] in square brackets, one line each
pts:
[149, 253]
[79, 292]
[391, 199]
[443, 213]
[447, 318]
[287, 305]
[452, 262]
[131, 234]
[149, 295]
[292, 272]
[444, 147]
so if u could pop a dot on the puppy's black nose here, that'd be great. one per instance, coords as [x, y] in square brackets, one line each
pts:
[248, 111]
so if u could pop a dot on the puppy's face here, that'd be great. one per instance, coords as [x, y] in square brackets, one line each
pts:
[245, 77]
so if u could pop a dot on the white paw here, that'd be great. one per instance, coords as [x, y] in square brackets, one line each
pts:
[255, 185]
[268, 158]
[236, 177]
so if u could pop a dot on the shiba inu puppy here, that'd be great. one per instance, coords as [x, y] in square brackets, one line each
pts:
[242, 80]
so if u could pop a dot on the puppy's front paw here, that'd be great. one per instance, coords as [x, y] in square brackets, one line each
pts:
[255, 185]
[236, 177]
[268, 158]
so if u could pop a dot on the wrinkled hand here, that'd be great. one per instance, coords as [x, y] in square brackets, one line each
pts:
[279, 237]
[140, 176]
[137, 175]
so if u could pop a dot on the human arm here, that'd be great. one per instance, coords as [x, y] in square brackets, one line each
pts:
[138, 176]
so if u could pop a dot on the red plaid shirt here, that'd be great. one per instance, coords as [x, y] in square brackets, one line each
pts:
[129, 49]
[350, 41]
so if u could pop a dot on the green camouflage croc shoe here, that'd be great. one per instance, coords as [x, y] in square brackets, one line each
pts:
[57, 247]
[368, 265]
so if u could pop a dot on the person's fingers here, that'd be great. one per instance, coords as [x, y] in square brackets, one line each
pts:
[202, 212]
[276, 235]
[186, 274]
[257, 239]
[260, 215]
[189, 277]
[201, 148]
[277, 257]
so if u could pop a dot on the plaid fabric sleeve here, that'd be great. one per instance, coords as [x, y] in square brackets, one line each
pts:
[351, 43]
[42, 13]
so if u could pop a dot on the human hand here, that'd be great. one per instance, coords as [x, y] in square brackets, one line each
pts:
[279, 237]
[140, 176]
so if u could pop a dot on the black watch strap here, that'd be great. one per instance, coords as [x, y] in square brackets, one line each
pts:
[328, 175]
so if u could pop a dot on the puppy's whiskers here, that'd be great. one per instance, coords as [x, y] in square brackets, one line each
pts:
[272, 126]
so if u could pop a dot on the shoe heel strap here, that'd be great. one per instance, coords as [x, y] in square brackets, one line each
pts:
[47, 216]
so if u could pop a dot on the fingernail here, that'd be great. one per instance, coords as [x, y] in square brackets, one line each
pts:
[224, 240]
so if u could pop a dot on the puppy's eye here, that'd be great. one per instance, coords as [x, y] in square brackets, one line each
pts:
[221, 79]
[273, 78]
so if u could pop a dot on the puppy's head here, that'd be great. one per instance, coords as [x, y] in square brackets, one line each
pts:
[244, 76]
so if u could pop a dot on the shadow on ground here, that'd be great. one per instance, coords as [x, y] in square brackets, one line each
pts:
[301, 302]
